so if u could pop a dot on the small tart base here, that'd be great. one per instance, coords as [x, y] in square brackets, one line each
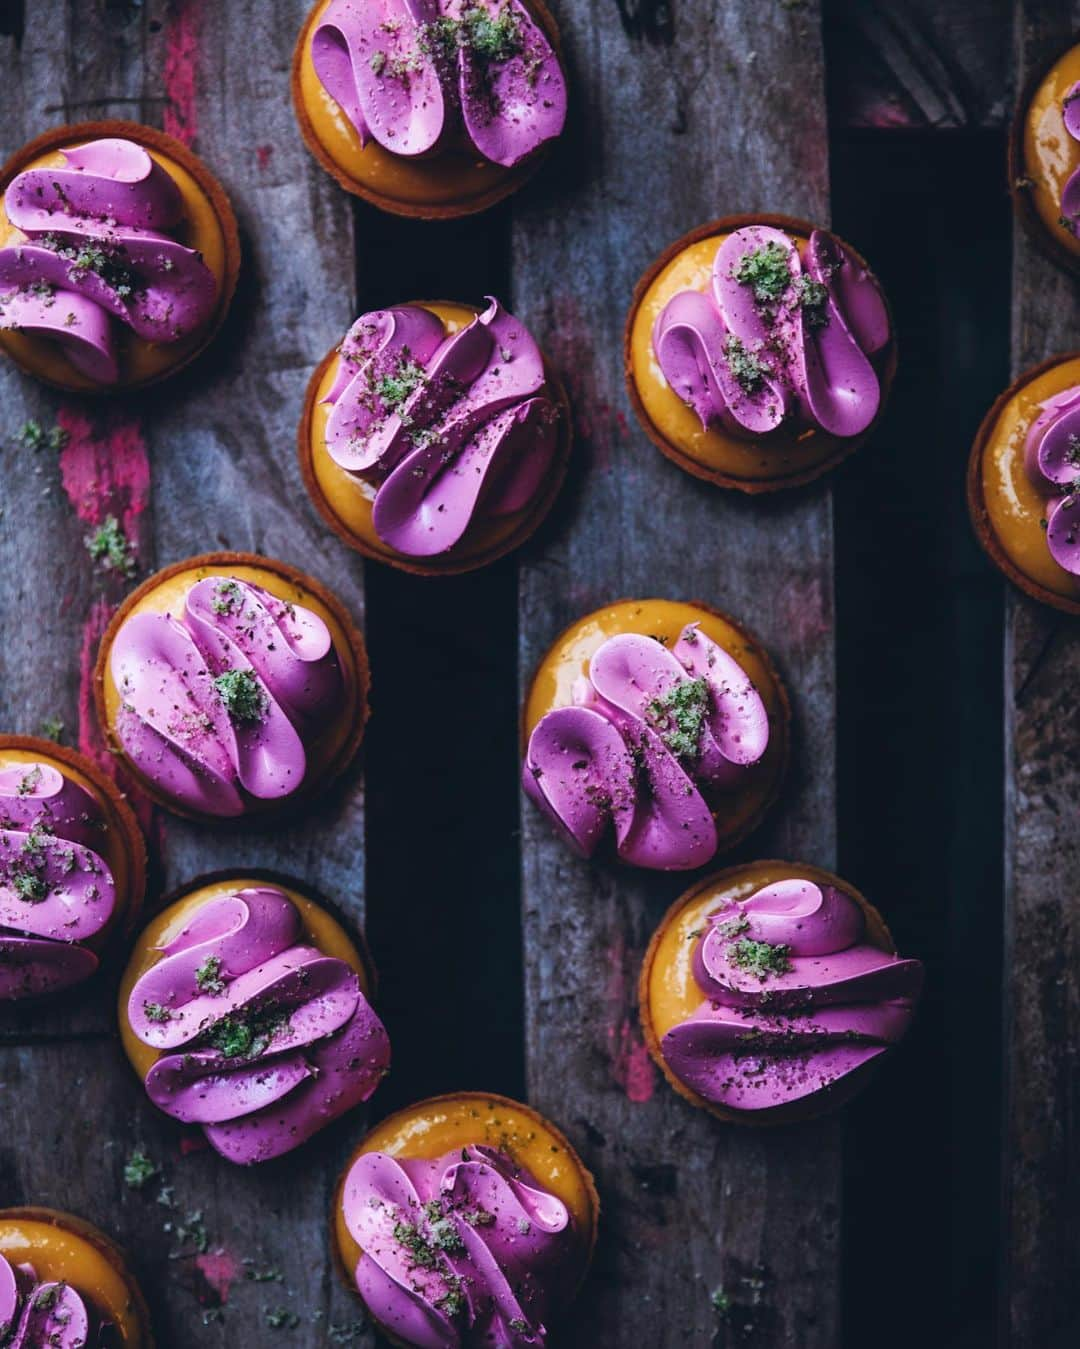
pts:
[821, 1103]
[120, 822]
[451, 563]
[507, 181]
[68, 1226]
[324, 925]
[1052, 242]
[779, 718]
[572, 1183]
[358, 681]
[149, 138]
[976, 497]
[772, 444]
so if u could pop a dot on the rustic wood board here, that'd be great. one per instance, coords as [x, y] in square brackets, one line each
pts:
[205, 462]
[690, 1206]
[1041, 1294]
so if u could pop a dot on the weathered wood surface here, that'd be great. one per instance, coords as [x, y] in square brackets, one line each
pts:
[204, 462]
[1041, 1302]
[674, 123]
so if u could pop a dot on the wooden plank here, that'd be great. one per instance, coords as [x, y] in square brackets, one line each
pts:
[673, 127]
[1041, 1299]
[219, 443]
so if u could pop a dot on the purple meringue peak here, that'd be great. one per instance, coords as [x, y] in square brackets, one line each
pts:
[796, 998]
[1052, 461]
[653, 738]
[56, 888]
[45, 1314]
[784, 336]
[424, 76]
[97, 250]
[263, 1039]
[450, 430]
[1070, 193]
[464, 1250]
[222, 703]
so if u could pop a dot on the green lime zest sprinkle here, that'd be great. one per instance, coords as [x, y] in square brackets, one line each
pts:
[678, 715]
[761, 958]
[138, 1170]
[208, 976]
[747, 369]
[767, 270]
[110, 548]
[240, 692]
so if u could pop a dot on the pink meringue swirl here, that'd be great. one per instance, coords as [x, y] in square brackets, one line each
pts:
[466, 1250]
[449, 430]
[97, 250]
[45, 1314]
[779, 339]
[423, 76]
[56, 889]
[796, 999]
[1052, 461]
[264, 1040]
[221, 704]
[652, 737]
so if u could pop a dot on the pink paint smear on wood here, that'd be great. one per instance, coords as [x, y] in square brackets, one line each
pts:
[631, 1066]
[183, 29]
[220, 1269]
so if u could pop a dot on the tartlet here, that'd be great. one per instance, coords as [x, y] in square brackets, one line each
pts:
[428, 108]
[72, 868]
[465, 1219]
[435, 437]
[1044, 158]
[66, 1284]
[1023, 482]
[245, 1009]
[657, 727]
[119, 256]
[232, 686]
[759, 352]
[770, 992]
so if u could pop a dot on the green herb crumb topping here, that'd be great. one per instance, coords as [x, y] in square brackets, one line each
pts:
[678, 715]
[240, 692]
[747, 369]
[110, 548]
[138, 1170]
[761, 958]
[766, 270]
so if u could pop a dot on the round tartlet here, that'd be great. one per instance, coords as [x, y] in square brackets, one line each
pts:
[438, 186]
[668, 993]
[346, 504]
[1043, 156]
[447, 1124]
[567, 661]
[164, 592]
[209, 227]
[785, 457]
[66, 1249]
[320, 927]
[1007, 511]
[122, 845]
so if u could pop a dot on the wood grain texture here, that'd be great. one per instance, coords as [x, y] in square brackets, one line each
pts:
[1041, 1303]
[209, 458]
[681, 114]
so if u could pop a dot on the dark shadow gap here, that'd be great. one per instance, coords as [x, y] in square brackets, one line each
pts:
[920, 626]
[443, 897]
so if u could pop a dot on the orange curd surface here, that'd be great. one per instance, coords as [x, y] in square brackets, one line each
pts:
[60, 1254]
[448, 1124]
[1015, 506]
[779, 455]
[139, 360]
[569, 657]
[1050, 155]
[168, 597]
[318, 928]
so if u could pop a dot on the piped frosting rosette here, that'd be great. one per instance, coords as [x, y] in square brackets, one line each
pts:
[463, 1250]
[1070, 193]
[782, 336]
[422, 76]
[45, 1314]
[221, 703]
[99, 249]
[262, 1039]
[56, 889]
[1052, 461]
[796, 999]
[652, 738]
[447, 431]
